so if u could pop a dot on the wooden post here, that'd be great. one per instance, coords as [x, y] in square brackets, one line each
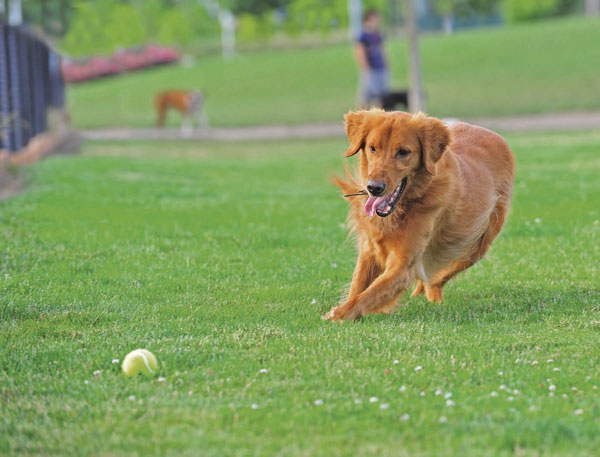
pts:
[416, 100]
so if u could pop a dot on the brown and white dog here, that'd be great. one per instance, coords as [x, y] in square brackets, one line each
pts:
[433, 198]
[189, 103]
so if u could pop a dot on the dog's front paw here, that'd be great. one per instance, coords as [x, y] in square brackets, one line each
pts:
[342, 312]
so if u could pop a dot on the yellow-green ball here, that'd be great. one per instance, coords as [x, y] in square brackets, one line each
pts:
[140, 361]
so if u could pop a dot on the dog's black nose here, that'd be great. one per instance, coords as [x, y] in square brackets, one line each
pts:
[375, 187]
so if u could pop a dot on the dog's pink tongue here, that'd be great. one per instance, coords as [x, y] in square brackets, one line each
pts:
[372, 204]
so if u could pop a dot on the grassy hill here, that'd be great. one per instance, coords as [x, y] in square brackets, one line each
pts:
[221, 258]
[540, 67]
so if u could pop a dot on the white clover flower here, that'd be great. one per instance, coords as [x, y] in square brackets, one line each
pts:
[396, 362]
[405, 417]
[402, 388]
[442, 420]
[502, 387]
[438, 392]
[494, 394]
[318, 402]
[578, 412]
[552, 388]
[384, 406]
[418, 368]
[450, 403]
[373, 400]
[115, 361]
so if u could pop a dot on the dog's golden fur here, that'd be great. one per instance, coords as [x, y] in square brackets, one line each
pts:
[456, 198]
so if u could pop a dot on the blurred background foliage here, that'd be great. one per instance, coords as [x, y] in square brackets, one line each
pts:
[90, 27]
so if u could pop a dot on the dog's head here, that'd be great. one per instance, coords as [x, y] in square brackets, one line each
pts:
[399, 150]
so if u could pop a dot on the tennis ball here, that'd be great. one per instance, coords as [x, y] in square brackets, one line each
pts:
[140, 361]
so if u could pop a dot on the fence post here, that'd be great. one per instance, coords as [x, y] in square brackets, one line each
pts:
[14, 88]
[5, 137]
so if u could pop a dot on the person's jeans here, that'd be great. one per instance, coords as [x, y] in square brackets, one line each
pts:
[374, 84]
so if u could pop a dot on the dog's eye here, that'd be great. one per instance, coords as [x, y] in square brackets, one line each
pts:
[402, 152]
[373, 149]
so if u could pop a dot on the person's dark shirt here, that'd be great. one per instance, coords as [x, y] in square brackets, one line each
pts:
[372, 41]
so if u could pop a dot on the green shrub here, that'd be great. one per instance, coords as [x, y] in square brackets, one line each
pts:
[125, 27]
[317, 15]
[87, 34]
[247, 28]
[175, 28]
[529, 10]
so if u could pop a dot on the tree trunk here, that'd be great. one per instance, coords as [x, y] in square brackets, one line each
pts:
[228, 24]
[448, 23]
[592, 7]
[63, 17]
[44, 15]
[15, 12]
[415, 95]
[355, 18]
[394, 19]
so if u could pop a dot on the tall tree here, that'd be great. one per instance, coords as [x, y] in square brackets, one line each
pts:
[416, 100]
[592, 7]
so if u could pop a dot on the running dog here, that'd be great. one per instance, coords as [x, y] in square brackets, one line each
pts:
[426, 202]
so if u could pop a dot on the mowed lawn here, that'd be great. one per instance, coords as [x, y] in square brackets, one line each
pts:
[532, 68]
[221, 259]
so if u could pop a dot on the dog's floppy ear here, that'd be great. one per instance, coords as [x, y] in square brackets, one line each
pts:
[434, 137]
[355, 129]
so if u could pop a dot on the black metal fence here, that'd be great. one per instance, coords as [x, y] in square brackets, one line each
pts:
[30, 83]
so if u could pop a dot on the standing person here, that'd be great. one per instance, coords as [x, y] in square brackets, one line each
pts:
[371, 60]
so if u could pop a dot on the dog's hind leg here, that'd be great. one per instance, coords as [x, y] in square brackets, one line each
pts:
[496, 222]
[419, 290]
[388, 308]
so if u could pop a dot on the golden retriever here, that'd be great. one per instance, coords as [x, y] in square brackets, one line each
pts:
[428, 201]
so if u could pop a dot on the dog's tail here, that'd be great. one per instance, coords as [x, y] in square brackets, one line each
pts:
[349, 183]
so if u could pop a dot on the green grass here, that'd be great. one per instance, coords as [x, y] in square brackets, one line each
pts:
[211, 255]
[541, 67]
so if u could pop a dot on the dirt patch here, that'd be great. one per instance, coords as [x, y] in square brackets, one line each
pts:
[574, 120]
